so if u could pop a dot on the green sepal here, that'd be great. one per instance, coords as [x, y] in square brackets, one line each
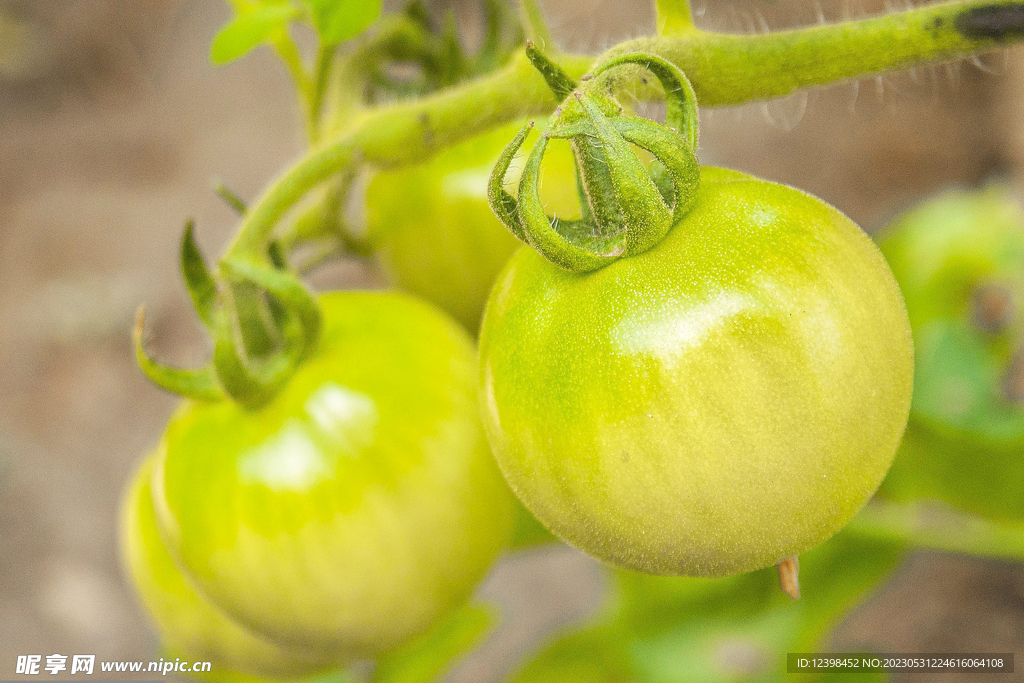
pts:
[561, 83]
[626, 208]
[202, 288]
[538, 228]
[275, 252]
[259, 334]
[678, 162]
[503, 204]
[645, 215]
[251, 385]
[680, 98]
[594, 176]
[681, 115]
[201, 385]
[230, 198]
[288, 290]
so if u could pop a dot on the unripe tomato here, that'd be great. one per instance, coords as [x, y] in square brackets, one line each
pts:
[190, 625]
[435, 234]
[959, 259]
[723, 401]
[356, 507]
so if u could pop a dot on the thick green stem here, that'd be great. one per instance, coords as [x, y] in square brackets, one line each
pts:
[673, 17]
[400, 134]
[289, 54]
[724, 69]
[935, 527]
[730, 69]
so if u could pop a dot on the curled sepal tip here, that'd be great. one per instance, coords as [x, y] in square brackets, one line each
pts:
[296, 301]
[199, 282]
[681, 101]
[560, 82]
[250, 384]
[230, 198]
[626, 207]
[198, 384]
[503, 204]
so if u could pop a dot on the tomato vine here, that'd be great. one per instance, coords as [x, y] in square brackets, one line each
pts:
[544, 364]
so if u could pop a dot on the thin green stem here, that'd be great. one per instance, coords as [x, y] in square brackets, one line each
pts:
[535, 27]
[937, 527]
[318, 87]
[289, 54]
[724, 69]
[673, 17]
[400, 134]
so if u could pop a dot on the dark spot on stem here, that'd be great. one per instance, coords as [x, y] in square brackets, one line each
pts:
[992, 22]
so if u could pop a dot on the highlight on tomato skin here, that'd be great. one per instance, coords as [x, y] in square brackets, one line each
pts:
[356, 508]
[726, 400]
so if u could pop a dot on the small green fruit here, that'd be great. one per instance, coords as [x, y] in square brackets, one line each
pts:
[723, 401]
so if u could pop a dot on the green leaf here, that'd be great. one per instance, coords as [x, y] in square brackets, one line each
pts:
[679, 630]
[338, 20]
[426, 658]
[202, 288]
[247, 31]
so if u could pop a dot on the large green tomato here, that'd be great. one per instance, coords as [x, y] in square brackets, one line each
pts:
[959, 259]
[435, 234]
[360, 504]
[190, 625]
[723, 401]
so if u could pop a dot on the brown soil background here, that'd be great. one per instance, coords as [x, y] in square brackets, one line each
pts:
[110, 133]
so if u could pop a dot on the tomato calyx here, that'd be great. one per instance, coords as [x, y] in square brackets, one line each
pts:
[439, 58]
[262, 319]
[626, 207]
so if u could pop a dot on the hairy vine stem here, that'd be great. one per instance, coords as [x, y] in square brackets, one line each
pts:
[725, 69]
[930, 526]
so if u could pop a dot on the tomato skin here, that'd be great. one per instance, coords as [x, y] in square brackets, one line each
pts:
[190, 625]
[356, 507]
[721, 402]
[434, 231]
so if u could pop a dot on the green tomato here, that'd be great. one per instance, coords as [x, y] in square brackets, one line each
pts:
[959, 259]
[358, 506]
[190, 625]
[436, 235]
[723, 401]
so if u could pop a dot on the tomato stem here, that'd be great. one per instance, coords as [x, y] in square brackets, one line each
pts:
[938, 527]
[673, 17]
[725, 69]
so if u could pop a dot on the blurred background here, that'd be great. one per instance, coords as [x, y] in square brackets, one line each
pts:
[113, 126]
